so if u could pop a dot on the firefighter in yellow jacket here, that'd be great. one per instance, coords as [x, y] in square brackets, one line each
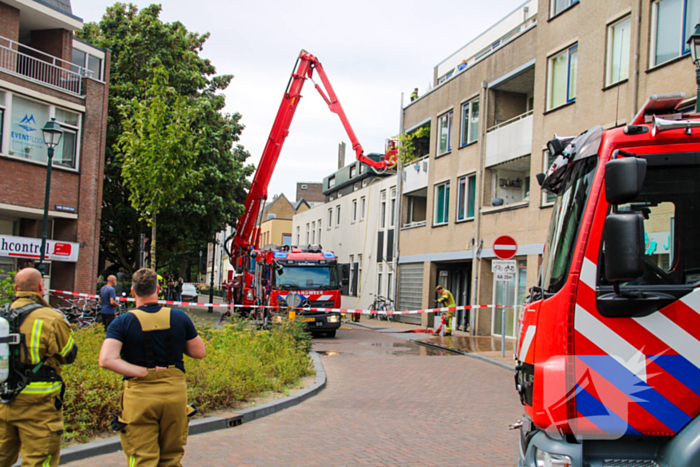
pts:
[446, 300]
[33, 422]
[146, 345]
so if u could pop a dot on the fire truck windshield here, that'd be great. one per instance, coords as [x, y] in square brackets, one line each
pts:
[307, 277]
[566, 219]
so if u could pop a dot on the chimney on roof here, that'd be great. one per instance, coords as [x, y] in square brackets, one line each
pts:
[341, 155]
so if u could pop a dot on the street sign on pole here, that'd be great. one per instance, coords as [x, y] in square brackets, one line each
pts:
[505, 247]
[501, 276]
[504, 266]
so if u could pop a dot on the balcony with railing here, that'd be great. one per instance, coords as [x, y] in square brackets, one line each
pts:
[32, 64]
[416, 174]
[509, 140]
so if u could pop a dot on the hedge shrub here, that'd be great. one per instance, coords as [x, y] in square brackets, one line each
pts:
[241, 363]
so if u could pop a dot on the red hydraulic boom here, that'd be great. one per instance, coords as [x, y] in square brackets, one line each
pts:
[246, 235]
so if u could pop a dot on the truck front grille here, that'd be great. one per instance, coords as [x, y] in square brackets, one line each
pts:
[629, 463]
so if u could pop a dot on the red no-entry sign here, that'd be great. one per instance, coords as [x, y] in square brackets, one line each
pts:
[505, 247]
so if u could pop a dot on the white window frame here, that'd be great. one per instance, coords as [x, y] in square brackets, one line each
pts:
[382, 211]
[363, 208]
[313, 232]
[359, 274]
[550, 68]
[352, 171]
[446, 206]
[330, 218]
[337, 216]
[466, 124]
[392, 211]
[319, 231]
[307, 233]
[610, 67]
[684, 50]
[463, 188]
[380, 272]
[354, 210]
[331, 182]
[389, 283]
[553, 7]
[298, 234]
[446, 119]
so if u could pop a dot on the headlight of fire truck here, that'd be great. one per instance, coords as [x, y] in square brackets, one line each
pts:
[547, 459]
[333, 319]
[249, 294]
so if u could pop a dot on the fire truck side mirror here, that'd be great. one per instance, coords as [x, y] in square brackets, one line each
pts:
[624, 246]
[624, 179]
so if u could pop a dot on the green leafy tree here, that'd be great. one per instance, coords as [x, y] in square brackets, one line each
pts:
[158, 150]
[140, 41]
[407, 148]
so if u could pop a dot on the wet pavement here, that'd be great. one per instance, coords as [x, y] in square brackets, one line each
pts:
[388, 402]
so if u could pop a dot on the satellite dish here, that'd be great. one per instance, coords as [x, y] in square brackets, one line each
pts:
[293, 300]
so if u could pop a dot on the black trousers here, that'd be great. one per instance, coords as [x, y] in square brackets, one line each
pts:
[107, 319]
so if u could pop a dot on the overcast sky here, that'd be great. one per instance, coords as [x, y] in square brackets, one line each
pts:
[371, 50]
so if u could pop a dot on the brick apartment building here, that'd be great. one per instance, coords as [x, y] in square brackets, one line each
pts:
[46, 73]
[551, 66]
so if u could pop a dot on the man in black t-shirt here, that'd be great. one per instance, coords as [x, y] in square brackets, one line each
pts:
[146, 345]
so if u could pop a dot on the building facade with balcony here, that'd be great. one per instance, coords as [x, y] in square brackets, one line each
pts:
[357, 222]
[46, 73]
[567, 67]
[472, 181]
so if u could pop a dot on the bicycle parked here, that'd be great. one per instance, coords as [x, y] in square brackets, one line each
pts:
[82, 312]
[382, 304]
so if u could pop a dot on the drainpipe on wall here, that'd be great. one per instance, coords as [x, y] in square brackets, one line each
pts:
[397, 215]
[636, 51]
[476, 261]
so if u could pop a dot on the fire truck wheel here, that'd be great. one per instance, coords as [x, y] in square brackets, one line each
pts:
[330, 333]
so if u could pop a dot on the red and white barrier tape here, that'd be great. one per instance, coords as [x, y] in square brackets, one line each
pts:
[321, 310]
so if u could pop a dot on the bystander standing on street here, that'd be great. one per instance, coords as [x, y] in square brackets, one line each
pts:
[178, 289]
[146, 346]
[32, 423]
[108, 302]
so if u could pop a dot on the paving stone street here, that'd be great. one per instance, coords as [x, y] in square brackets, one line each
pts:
[388, 402]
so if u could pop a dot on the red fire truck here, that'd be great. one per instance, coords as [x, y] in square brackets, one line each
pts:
[609, 348]
[253, 281]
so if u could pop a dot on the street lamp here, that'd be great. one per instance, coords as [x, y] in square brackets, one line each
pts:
[52, 136]
[694, 44]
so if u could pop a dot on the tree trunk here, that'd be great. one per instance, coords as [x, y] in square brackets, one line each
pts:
[153, 242]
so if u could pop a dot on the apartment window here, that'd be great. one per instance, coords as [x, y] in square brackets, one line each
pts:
[444, 132]
[287, 239]
[558, 6]
[673, 21]
[87, 61]
[470, 122]
[319, 231]
[337, 218]
[271, 216]
[331, 182]
[313, 232]
[465, 197]
[442, 203]
[307, 234]
[330, 218]
[353, 171]
[363, 205]
[382, 211]
[359, 274]
[617, 63]
[561, 85]
[298, 235]
[67, 150]
[354, 210]
[392, 214]
[304, 187]
[379, 279]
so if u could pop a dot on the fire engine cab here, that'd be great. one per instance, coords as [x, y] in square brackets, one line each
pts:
[608, 362]
[308, 272]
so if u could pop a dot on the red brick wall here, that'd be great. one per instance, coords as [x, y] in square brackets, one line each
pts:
[57, 42]
[9, 22]
[28, 185]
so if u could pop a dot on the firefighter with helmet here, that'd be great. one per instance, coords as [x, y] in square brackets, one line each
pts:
[31, 422]
[446, 300]
[146, 346]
